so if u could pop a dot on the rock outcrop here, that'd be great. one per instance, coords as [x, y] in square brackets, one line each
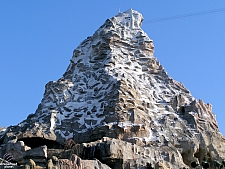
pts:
[119, 105]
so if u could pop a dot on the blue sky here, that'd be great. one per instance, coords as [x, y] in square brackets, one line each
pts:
[37, 39]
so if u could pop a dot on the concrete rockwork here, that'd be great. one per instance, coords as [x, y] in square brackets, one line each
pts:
[116, 106]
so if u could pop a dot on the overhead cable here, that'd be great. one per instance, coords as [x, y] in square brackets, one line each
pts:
[185, 15]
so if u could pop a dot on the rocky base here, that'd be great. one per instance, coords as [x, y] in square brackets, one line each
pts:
[117, 154]
[54, 163]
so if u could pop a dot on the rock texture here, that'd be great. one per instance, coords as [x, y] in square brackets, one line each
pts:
[117, 102]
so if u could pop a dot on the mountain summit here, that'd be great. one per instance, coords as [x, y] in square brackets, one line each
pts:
[115, 90]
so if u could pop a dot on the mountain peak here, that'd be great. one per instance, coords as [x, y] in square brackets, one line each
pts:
[131, 19]
[114, 87]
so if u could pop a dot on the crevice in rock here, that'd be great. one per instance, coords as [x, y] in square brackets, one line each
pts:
[181, 110]
[96, 152]
[34, 142]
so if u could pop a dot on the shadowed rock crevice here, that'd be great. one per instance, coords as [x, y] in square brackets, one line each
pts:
[35, 142]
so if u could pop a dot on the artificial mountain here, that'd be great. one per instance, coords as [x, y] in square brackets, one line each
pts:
[120, 107]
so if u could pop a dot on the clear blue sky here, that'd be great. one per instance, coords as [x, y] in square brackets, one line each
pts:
[37, 39]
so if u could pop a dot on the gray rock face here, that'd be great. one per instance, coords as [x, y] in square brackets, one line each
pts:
[114, 87]
[121, 154]
[77, 163]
